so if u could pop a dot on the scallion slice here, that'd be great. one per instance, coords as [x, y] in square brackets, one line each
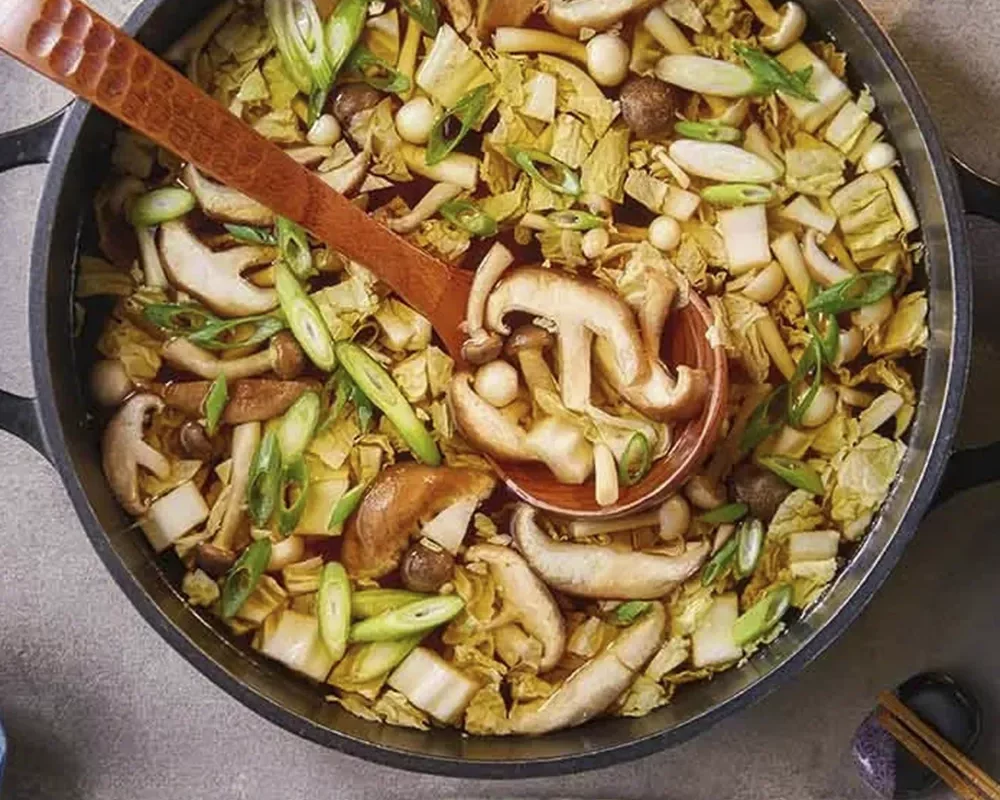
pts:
[811, 363]
[727, 514]
[466, 214]
[574, 220]
[243, 577]
[737, 194]
[425, 12]
[215, 403]
[718, 563]
[466, 113]
[424, 615]
[629, 612]
[771, 76]
[749, 544]
[347, 505]
[265, 480]
[372, 602]
[293, 242]
[333, 608]
[304, 319]
[794, 472]
[763, 615]
[536, 163]
[858, 291]
[636, 461]
[294, 485]
[251, 235]
[161, 205]
[766, 419]
[376, 72]
[708, 131]
[298, 425]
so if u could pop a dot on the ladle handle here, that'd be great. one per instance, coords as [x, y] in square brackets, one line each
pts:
[71, 44]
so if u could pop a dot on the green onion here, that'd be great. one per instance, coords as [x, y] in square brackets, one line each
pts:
[333, 607]
[563, 180]
[724, 515]
[265, 480]
[215, 403]
[708, 131]
[858, 291]
[379, 387]
[763, 615]
[466, 214]
[160, 205]
[763, 422]
[347, 505]
[298, 425]
[298, 33]
[425, 12]
[635, 461]
[811, 362]
[243, 577]
[294, 246]
[466, 112]
[343, 30]
[771, 76]
[825, 328]
[251, 235]
[294, 482]
[749, 544]
[424, 615]
[737, 194]
[720, 562]
[574, 220]
[376, 72]
[629, 612]
[372, 602]
[794, 472]
[206, 330]
[373, 660]
[304, 319]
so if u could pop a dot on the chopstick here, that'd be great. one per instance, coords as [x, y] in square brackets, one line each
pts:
[961, 774]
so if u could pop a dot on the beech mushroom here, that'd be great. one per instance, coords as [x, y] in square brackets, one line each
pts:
[823, 269]
[325, 131]
[124, 451]
[783, 27]
[704, 493]
[759, 488]
[570, 16]
[225, 204]
[283, 356]
[607, 59]
[586, 570]
[606, 488]
[429, 204]
[527, 345]
[563, 448]
[497, 383]
[250, 399]
[598, 683]
[246, 438]
[398, 501]
[110, 383]
[415, 120]
[665, 233]
[216, 278]
[352, 99]
[149, 256]
[648, 106]
[480, 345]
[579, 309]
[195, 442]
[526, 600]
[485, 427]
[533, 40]
[426, 566]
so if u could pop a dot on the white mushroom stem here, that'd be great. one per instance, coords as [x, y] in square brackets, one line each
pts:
[585, 570]
[767, 329]
[786, 249]
[527, 600]
[149, 256]
[531, 40]
[563, 448]
[215, 278]
[605, 476]
[484, 426]
[222, 203]
[187, 356]
[489, 271]
[124, 451]
[246, 438]
[598, 683]
[704, 493]
[789, 30]
[850, 343]
[570, 16]
[654, 310]
[428, 206]
[822, 268]
[667, 32]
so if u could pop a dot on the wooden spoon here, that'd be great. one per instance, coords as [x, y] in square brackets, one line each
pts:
[71, 44]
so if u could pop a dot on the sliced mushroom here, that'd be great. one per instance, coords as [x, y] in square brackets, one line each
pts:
[123, 451]
[485, 427]
[527, 600]
[598, 683]
[215, 278]
[246, 438]
[783, 27]
[225, 204]
[152, 267]
[585, 570]
[429, 204]
[579, 309]
[822, 268]
[283, 356]
[426, 566]
[570, 16]
[250, 399]
[563, 448]
[195, 442]
[399, 500]
[480, 345]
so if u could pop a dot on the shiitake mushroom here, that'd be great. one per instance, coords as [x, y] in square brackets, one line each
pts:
[648, 106]
[426, 567]
[759, 488]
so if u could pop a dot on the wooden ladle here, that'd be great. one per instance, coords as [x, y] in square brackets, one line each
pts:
[71, 44]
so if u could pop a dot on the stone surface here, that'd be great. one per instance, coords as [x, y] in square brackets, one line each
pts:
[97, 706]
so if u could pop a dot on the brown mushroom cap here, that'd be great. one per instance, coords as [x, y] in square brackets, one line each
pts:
[399, 500]
[482, 349]
[648, 106]
[216, 561]
[760, 489]
[353, 99]
[426, 566]
[287, 359]
[195, 442]
[250, 400]
[528, 337]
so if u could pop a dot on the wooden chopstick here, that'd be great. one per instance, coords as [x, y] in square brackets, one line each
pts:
[964, 777]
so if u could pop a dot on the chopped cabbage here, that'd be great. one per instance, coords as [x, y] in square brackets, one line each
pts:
[812, 167]
[451, 69]
[486, 714]
[579, 94]
[643, 696]
[906, 331]
[688, 607]
[393, 707]
[798, 512]
[346, 304]
[507, 205]
[572, 141]
[864, 477]
[742, 315]
[200, 589]
[97, 277]
[402, 327]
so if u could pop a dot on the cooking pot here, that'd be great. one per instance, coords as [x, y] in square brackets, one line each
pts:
[76, 143]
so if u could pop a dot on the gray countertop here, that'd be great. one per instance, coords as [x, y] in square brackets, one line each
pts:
[96, 705]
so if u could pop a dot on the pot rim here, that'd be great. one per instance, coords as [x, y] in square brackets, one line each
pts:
[926, 480]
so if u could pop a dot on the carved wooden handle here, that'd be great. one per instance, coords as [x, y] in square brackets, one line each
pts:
[68, 42]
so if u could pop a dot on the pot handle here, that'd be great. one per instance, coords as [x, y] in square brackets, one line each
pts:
[979, 465]
[29, 145]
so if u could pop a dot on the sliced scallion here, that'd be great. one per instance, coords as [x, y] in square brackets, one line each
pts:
[425, 12]
[825, 328]
[293, 242]
[466, 214]
[708, 131]
[206, 330]
[424, 615]
[763, 615]
[298, 33]
[725, 515]
[749, 543]
[372, 602]
[333, 608]
[794, 472]
[536, 163]
[466, 113]
[377, 72]
[766, 419]
[251, 235]
[737, 194]
[294, 485]
[719, 563]
[636, 461]
[574, 220]
[347, 505]
[342, 32]
[243, 577]
[629, 612]
[298, 425]
[161, 205]
[304, 318]
[771, 76]
[810, 364]
[265, 480]
[215, 403]
[858, 291]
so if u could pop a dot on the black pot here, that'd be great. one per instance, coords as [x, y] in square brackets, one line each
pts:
[77, 143]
